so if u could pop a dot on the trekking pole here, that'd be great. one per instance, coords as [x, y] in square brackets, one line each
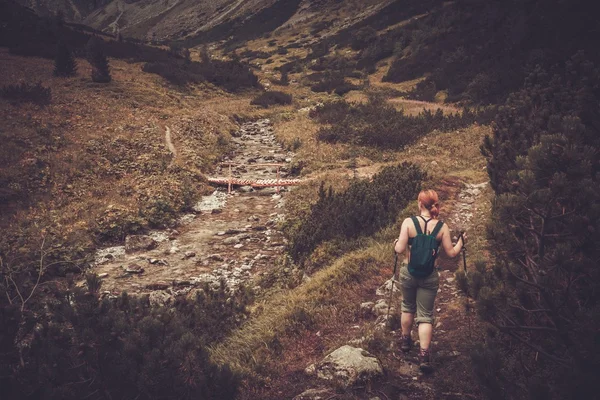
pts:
[392, 291]
[468, 307]
[464, 252]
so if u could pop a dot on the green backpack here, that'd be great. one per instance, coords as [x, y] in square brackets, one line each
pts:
[424, 250]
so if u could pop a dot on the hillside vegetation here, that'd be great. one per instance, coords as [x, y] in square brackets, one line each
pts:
[376, 100]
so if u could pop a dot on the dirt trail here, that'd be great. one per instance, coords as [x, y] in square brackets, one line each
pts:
[231, 237]
[169, 142]
[453, 325]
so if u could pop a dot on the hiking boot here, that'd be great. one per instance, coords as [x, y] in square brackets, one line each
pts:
[425, 361]
[405, 343]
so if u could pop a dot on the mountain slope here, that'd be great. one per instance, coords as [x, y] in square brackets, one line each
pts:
[177, 19]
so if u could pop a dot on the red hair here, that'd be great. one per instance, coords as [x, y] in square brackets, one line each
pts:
[429, 199]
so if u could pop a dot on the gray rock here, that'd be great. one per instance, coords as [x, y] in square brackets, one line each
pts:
[108, 254]
[135, 243]
[215, 257]
[386, 288]
[367, 308]
[349, 365]
[134, 269]
[314, 394]
[189, 254]
[381, 307]
[160, 299]
[104, 275]
[236, 239]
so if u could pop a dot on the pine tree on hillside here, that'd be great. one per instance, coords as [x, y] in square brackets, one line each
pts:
[543, 293]
[285, 79]
[98, 60]
[64, 63]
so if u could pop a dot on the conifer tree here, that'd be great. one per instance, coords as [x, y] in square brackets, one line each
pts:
[64, 63]
[542, 294]
[98, 60]
[285, 79]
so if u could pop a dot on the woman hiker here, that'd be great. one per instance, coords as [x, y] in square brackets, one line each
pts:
[422, 235]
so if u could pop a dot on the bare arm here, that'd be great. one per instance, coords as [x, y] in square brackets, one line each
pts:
[402, 241]
[451, 251]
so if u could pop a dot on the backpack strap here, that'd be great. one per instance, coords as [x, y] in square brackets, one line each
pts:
[437, 228]
[417, 225]
[426, 221]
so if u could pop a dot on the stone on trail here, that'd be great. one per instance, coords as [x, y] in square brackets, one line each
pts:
[381, 307]
[314, 394]
[367, 308]
[135, 243]
[348, 366]
[189, 254]
[134, 269]
[104, 255]
[210, 203]
[386, 288]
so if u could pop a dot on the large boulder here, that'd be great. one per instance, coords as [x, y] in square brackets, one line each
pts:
[314, 394]
[135, 243]
[160, 298]
[349, 365]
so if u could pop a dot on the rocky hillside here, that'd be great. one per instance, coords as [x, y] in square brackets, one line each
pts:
[177, 19]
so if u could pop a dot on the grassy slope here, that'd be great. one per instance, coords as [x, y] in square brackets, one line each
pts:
[102, 151]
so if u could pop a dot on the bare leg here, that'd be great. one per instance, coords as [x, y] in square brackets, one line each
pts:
[406, 320]
[425, 333]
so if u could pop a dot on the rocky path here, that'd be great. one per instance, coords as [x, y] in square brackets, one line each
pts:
[452, 331]
[397, 375]
[228, 237]
[169, 142]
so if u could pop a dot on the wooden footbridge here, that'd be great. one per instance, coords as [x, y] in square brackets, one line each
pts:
[231, 181]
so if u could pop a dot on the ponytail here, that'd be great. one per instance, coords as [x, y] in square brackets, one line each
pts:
[434, 210]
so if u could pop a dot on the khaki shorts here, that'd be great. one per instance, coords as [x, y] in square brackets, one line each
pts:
[418, 294]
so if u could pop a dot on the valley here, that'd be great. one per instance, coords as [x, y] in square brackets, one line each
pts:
[148, 251]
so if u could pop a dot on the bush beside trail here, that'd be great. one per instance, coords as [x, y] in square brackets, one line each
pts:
[379, 124]
[272, 98]
[120, 348]
[540, 295]
[363, 209]
[27, 93]
[230, 75]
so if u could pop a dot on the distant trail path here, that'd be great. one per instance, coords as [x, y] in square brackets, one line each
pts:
[170, 145]
[115, 24]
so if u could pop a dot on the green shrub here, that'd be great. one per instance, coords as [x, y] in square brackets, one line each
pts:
[333, 82]
[97, 58]
[272, 98]
[27, 93]
[361, 210]
[541, 294]
[123, 349]
[231, 75]
[64, 62]
[379, 124]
